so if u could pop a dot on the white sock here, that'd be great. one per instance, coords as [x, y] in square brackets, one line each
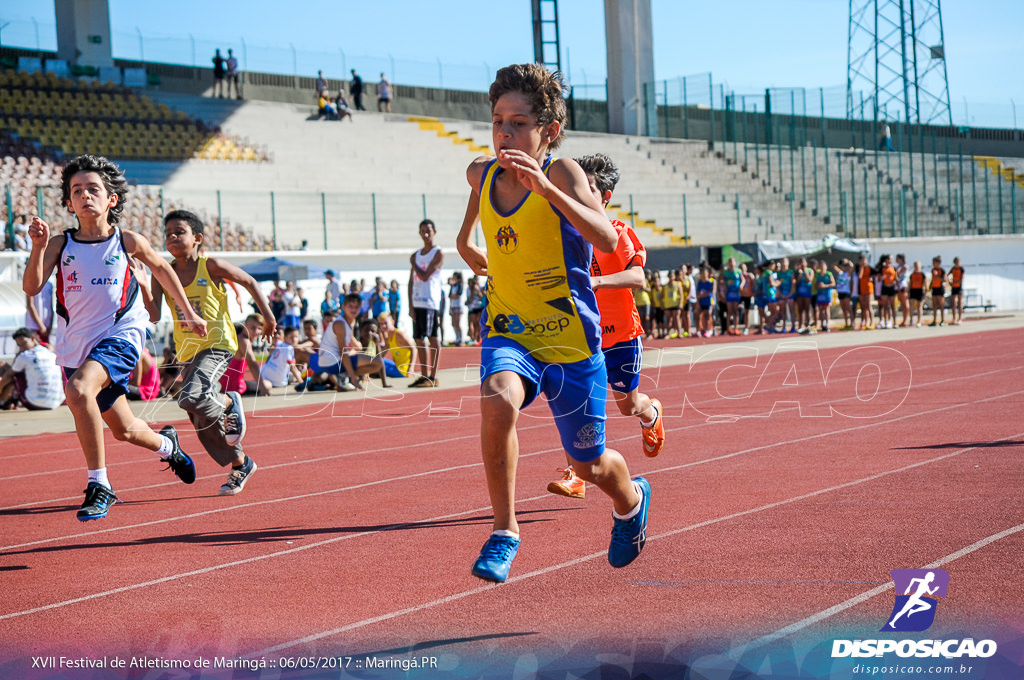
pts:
[644, 423]
[166, 447]
[632, 513]
[99, 476]
[505, 533]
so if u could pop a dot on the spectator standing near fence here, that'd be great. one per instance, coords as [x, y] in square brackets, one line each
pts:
[219, 70]
[355, 89]
[384, 94]
[233, 75]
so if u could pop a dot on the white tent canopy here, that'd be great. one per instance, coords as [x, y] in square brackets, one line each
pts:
[775, 250]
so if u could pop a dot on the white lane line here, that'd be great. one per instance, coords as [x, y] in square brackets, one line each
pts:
[442, 406]
[307, 461]
[525, 455]
[667, 534]
[455, 596]
[738, 652]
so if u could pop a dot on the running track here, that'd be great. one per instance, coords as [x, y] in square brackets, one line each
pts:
[789, 488]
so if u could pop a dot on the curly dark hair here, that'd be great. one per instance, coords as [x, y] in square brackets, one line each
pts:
[113, 181]
[543, 88]
[189, 218]
[602, 169]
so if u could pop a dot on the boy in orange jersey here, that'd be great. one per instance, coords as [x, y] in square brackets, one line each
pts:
[612, 276]
[938, 286]
[956, 291]
[541, 328]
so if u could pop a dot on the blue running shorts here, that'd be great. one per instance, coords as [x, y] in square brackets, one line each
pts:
[623, 361]
[575, 392]
[118, 357]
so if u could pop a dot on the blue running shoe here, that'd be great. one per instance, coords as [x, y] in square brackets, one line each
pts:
[629, 535]
[496, 558]
[178, 461]
[98, 500]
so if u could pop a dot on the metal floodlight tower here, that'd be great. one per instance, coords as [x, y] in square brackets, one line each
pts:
[546, 49]
[897, 56]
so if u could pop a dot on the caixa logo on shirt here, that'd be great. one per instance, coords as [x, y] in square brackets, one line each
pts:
[104, 281]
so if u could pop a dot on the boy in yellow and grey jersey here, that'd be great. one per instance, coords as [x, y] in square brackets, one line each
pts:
[219, 419]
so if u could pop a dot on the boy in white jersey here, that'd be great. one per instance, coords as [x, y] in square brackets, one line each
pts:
[219, 418]
[541, 326]
[102, 320]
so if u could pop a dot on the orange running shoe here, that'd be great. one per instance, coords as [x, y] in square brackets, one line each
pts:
[654, 436]
[569, 485]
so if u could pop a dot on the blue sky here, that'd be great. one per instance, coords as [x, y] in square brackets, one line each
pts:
[746, 44]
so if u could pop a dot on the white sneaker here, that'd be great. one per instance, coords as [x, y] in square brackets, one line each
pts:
[234, 420]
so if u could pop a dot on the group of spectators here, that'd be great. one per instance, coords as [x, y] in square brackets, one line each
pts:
[783, 297]
[339, 108]
[225, 74]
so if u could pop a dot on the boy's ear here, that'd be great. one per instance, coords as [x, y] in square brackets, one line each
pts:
[551, 131]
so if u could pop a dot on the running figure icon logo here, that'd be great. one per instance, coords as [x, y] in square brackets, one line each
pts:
[914, 610]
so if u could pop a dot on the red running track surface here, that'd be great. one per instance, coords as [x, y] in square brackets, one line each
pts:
[789, 487]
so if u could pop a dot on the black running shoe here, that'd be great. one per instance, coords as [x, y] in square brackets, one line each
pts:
[98, 500]
[178, 461]
[234, 420]
[238, 478]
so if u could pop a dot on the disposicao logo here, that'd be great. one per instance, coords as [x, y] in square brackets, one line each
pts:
[914, 610]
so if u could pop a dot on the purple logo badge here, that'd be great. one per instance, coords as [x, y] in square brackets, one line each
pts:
[915, 605]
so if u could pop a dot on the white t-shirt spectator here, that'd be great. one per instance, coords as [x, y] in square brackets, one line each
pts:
[277, 368]
[45, 388]
[329, 353]
[292, 304]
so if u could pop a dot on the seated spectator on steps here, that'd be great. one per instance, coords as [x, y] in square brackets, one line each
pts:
[326, 107]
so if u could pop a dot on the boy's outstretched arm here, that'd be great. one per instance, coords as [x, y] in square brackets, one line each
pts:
[565, 187]
[474, 255]
[630, 278]
[139, 247]
[229, 272]
[42, 259]
[154, 305]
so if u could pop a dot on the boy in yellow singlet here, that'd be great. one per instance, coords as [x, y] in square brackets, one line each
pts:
[541, 327]
[219, 419]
